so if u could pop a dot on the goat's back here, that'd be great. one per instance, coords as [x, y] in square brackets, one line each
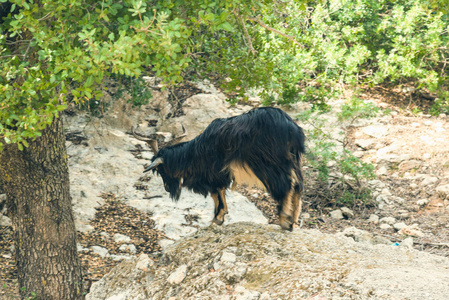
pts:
[268, 133]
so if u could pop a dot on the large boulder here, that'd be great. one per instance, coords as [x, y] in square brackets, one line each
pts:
[199, 111]
[104, 163]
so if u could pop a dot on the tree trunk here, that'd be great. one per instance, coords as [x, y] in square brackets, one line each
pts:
[36, 182]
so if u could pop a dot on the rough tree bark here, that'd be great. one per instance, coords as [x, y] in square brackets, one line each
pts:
[36, 182]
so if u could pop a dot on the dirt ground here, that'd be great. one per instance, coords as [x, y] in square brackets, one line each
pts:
[416, 135]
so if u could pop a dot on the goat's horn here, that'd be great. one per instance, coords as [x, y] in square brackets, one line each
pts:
[154, 164]
[151, 142]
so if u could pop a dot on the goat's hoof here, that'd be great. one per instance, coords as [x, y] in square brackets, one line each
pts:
[286, 226]
[285, 222]
[216, 221]
[295, 226]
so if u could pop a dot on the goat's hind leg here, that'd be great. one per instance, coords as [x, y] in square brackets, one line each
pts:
[292, 204]
[287, 209]
[297, 204]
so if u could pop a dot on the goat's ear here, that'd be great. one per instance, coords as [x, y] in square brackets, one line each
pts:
[153, 145]
[154, 164]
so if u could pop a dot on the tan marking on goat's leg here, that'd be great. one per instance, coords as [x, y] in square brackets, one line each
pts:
[297, 197]
[222, 194]
[216, 202]
[286, 211]
[291, 208]
[216, 199]
[223, 210]
[297, 207]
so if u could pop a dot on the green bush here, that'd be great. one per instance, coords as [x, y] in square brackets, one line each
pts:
[329, 155]
[357, 108]
[441, 104]
[138, 90]
[352, 42]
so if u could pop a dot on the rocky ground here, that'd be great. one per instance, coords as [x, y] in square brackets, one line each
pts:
[121, 214]
[252, 261]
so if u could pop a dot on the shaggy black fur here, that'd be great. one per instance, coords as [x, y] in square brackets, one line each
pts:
[266, 139]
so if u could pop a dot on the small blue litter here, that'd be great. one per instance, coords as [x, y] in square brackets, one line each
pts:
[395, 244]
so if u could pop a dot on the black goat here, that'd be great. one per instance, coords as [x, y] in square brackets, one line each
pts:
[262, 147]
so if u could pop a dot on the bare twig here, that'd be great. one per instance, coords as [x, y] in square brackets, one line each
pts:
[433, 244]
[276, 31]
[327, 135]
[247, 37]
[45, 17]
[152, 197]
[146, 29]
[397, 239]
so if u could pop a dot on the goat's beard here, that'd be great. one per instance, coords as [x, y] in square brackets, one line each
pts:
[172, 186]
[175, 194]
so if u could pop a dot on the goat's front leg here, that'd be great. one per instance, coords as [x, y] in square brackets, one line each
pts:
[216, 205]
[221, 207]
[222, 194]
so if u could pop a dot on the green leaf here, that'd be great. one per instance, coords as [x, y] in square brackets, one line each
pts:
[226, 26]
[75, 93]
[209, 17]
[61, 107]
[89, 81]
